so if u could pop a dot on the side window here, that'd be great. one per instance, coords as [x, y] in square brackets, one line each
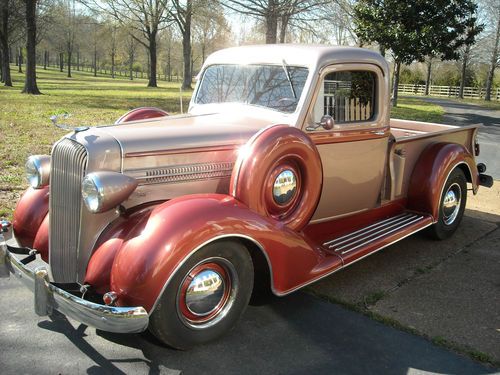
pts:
[347, 96]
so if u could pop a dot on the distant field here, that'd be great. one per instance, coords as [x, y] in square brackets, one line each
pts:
[25, 128]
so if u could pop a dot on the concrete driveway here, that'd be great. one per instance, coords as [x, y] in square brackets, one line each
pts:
[298, 334]
[457, 113]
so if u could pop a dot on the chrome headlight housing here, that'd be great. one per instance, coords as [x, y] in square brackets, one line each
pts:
[38, 171]
[102, 191]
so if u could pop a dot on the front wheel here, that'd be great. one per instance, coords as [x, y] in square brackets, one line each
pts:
[451, 206]
[205, 297]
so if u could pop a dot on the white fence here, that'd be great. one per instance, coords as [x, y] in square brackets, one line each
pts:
[448, 91]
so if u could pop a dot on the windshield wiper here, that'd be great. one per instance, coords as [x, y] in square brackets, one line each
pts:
[285, 68]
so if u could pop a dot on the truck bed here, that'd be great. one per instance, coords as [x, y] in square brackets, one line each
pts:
[404, 129]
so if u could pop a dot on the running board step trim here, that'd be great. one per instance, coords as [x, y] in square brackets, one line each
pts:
[364, 236]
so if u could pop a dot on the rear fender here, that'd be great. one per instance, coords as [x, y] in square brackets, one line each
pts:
[432, 170]
[176, 229]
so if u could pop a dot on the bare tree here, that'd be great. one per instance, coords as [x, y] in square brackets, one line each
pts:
[274, 12]
[10, 21]
[30, 86]
[146, 16]
[182, 14]
[131, 48]
[495, 55]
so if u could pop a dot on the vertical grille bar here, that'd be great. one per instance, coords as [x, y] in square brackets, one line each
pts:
[68, 164]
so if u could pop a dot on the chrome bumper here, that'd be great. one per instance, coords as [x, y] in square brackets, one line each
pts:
[49, 297]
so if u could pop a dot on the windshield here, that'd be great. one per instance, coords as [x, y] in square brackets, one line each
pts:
[278, 87]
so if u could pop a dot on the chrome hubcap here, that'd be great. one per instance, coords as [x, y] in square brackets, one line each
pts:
[451, 203]
[205, 292]
[285, 187]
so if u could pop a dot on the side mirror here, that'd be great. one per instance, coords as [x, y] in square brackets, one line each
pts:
[327, 122]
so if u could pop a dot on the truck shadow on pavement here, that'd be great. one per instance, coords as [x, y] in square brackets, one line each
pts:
[297, 334]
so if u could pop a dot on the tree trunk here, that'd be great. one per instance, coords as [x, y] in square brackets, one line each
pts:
[186, 52]
[397, 69]
[20, 59]
[112, 65]
[271, 28]
[95, 60]
[465, 61]
[169, 66]
[428, 79]
[61, 61]
[30, 86]
[493, 65]
[45, 60]
[69, 62]
[4, 45]
[284, 25]
[152, 59]
[78, 60]
[131, 68]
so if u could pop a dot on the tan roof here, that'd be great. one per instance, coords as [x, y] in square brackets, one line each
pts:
[311, 56]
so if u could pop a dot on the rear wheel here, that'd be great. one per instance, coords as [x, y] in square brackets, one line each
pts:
[205, 297]
[451, 206]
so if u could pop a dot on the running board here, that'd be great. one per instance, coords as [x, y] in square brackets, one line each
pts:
[378, 235]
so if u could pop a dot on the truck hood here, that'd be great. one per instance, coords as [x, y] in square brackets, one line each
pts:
[183, 132]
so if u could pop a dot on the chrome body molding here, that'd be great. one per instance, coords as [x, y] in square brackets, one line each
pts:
[49, 297]
[182, 173]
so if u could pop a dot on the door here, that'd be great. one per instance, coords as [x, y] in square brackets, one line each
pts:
[354, 152]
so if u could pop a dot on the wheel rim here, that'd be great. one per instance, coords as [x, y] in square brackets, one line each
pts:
[451, 203]
[207, 293]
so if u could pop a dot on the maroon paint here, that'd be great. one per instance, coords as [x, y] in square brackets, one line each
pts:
[156, 246]
[141, 114]
[29, 213]
[273, 150]
[98, 272]
[430, 174]
[41, 242]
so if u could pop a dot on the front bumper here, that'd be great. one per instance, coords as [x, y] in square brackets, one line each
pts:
[49, 297]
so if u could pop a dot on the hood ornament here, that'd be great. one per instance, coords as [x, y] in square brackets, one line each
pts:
[55, 119]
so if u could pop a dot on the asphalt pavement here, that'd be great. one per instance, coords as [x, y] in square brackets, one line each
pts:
[457, 113]
[298, 334]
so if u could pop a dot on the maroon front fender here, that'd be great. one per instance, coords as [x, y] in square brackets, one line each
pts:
[29, 214]
[431, 172]
[164, 238]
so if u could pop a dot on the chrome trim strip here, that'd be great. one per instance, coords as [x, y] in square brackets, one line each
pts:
[407, 223]
[232, 235]
[401, 222]
[49, 296]
[183, 173]
[361, 230]
[348, 264]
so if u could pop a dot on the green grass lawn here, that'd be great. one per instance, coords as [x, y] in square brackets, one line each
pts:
[25, 128]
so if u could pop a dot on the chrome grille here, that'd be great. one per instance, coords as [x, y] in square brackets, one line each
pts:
[68, 164]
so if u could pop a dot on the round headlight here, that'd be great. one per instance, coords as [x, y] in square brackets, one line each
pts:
[102, 191]
[90, 194]
[38, 170]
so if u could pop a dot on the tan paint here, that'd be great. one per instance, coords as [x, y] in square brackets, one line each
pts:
[352, 177]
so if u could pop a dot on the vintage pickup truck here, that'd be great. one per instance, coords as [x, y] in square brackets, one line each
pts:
[285, 169]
